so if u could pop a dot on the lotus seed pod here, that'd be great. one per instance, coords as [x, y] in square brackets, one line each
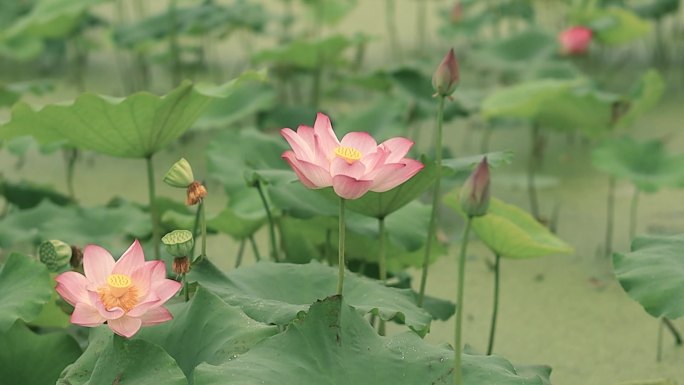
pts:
[474, 195]
[54, 254]
[179, 243]
[179, 175]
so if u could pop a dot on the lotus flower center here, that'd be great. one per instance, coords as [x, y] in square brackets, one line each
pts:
[350, 154]
[119, 292]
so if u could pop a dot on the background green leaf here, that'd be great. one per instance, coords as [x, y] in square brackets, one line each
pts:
[25, 287]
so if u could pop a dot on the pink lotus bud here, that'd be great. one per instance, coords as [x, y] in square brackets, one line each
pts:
[575, 40]
[456, 12]
[445, 79]
[474, 196]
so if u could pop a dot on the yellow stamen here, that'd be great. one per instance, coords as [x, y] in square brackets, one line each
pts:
[350, 154]
[119, 292]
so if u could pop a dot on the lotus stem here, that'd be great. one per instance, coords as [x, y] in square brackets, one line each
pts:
[153, 207]
[255, 248]
[382, 264]
[174, 47]
[241, 252]
[458, 344]
[203, 227]
[673, 329]
[432, 227]
[390, 18]
[421, 25]
[610, 215]
[271, 222]
[71, 155]
[634, 209]
[340, 250]
[186, 287]
[495, 310]
[535, 155]
[659, 341]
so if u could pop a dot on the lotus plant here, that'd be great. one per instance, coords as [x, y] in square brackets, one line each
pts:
[352, 166]
[126, 294]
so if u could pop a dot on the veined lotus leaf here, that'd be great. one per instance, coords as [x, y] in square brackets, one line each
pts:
[612, 25]
[646, 164]
[652, 273]
[25, 287]
[333, 344]
[266, 293]
[133, 127]
[511, 232]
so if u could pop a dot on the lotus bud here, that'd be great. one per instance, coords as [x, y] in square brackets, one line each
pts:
[181, 265]
[178, 243]
[456, 12]
[445, 79]
[575, 40]
[54, 254]
[474, 196]
[196, 192]
[179, 175]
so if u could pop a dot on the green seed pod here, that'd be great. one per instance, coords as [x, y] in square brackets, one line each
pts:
[54, 254]
[179, 175]
[178, 243]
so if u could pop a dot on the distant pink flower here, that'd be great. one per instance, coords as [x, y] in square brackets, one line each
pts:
[575, 40]
[352, 166]
[127, 294]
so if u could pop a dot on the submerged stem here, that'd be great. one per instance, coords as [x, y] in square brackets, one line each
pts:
[382, 265]
[271, 222]
[340, 250]
[610, 215]
[432, 227]
[255, 249]
[241, 252]
[153, 206]
[458, 375]
[634, 209]
[495, 311]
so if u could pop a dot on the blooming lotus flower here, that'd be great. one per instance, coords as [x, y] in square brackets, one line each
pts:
[575, 40]
[352, 166]
[127, 294]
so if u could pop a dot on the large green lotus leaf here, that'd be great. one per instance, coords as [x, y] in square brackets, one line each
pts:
[298, 201]
[333, 344]
[644, 95]
[111, 359]
[25, 287]
[225, 332]
[74, 225]
[520, 49]
[50, 19]
[133, 127]
[233, 153]
[511, 232]
[656, 9]
[582, 108]
[329, 11]
[199, 20]
[653, 274]
[646, 164]
[27, 194]
[524, 100]
[613, 25]
[463, 166]
[27, 358]
[247, 99]
[307, 54]
[225, 222]
[52, 315]
[275, 293]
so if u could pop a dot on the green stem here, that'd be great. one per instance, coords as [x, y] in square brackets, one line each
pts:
[271, 223]
[241, 252]
[610, 215]
[532, 169]
[153, 206]
[174, 47]
[71, 155]
[186, 286]
[432, 228]
[382, 264]
[195, 228]
[634, 208]
[340, 250]
[390, 18]
[495, 311]
[673, 329]
[659, 341]
[255, 249]
[458, 375]
[203, 227]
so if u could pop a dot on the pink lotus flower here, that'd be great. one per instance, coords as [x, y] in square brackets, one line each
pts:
[352, 166]
[575, 40]
[127, 294]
